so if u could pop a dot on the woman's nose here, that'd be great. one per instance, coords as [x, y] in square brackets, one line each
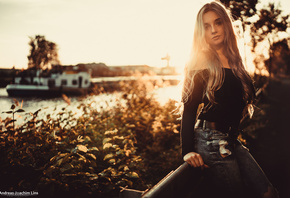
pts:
[213, 29]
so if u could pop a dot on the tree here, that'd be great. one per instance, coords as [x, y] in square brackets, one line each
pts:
[267, 28]
[280, 58]
[241, 9]
[43, 53]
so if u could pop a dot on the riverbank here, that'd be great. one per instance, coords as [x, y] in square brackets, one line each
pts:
[110, 84]
[54, 105]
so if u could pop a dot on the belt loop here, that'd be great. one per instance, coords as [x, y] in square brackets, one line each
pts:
[204, 125]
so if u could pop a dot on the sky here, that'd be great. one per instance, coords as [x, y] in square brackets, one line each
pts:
[114, 32]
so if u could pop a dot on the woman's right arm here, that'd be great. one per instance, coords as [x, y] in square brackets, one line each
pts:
[187, 136]
[188, 122]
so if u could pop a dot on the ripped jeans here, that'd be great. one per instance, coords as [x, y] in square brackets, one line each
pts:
[233, 170]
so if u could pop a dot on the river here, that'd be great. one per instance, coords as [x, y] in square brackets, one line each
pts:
[54, 105]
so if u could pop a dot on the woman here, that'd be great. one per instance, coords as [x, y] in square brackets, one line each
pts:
[215, 77]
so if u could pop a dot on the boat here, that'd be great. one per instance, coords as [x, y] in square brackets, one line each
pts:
[50, 83]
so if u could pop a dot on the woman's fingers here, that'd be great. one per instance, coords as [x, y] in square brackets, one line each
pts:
[195, 160]
[206, 166]
[192, 163]
[199, 158]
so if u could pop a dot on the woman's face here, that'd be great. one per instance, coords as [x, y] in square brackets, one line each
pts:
[214, 29]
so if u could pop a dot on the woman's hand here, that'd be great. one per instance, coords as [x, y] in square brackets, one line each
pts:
[194, 159]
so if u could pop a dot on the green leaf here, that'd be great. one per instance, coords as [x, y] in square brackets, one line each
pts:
[118, 137]
[94, 177]
[54, 157]
[66, 167]
[130, 183]
[126, 168]
[8, 112]
[112, 161]
[120, 152]
[81, 157]
[108, 156]
[12, 106]
[106, 140]
[132, 175]
[111, 132]
[10, 128]
[36, 112]
[58, 163]
[52, 134]
[107, 145]
[91, 156]
[66, 157]
[80, 139]
[20, 111]
[93, 149]
[8, 122]
[130, 125]
[121, 166]
[82, 148]
[87, 139]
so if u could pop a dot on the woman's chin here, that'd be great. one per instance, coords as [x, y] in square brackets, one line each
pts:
[217, 45]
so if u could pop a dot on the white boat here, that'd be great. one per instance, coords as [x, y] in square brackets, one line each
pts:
[52, 83]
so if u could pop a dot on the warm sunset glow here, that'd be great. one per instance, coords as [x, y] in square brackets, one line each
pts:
[115, 32]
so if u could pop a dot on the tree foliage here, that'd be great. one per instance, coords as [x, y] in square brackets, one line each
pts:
[270, 23]
[43, 53]
[280, 57]
[241, 9]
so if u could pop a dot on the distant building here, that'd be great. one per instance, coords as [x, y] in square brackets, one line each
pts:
[102, 70]
[144, 69]
[168, 71]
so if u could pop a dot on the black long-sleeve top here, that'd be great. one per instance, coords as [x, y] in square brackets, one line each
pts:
[227, 109]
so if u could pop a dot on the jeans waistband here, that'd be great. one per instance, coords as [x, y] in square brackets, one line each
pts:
[215, 126]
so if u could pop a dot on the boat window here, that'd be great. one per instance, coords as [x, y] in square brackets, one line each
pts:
[74, 82]
[63, 82]
[86, 82]
[51, 83]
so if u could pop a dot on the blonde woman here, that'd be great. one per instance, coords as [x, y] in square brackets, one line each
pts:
[215, 77]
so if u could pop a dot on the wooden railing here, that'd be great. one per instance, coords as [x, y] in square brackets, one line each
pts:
[178, 183]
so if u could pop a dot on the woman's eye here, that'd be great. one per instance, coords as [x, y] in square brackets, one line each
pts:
[218, 23]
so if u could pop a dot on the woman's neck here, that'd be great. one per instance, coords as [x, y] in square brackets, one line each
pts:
[220, 52]
[223, 58]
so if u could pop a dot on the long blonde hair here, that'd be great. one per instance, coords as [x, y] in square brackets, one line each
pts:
[204, 57]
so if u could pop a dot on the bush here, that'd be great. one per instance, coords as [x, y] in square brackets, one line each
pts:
[134, 143]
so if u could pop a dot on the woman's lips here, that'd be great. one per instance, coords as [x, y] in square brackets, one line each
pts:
[216, 37]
